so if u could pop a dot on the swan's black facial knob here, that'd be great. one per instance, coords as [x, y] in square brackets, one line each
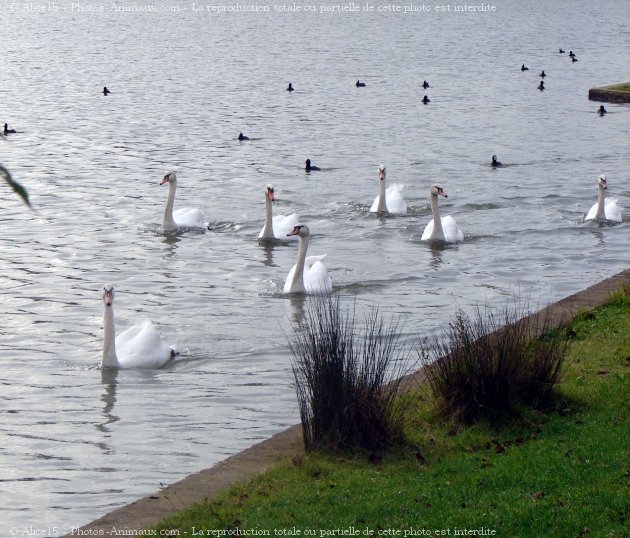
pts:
[168, 178]
[108, 294]
[437, 190]
[296, 230]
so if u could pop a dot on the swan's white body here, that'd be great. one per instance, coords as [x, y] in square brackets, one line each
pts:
[309, 274]
[277, 227]
[389, 200]
[185, 217]
[441, 228]
[605, 208]
[139, 346]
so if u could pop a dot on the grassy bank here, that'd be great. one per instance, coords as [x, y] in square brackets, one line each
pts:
[618, 93]
[563, 472]
[625, 87]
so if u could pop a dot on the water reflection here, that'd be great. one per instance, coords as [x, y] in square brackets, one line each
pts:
[298, 301]
[436, 249]
[170, 244]
[109, 379]
[601, 241]
[267, 249]
[382, 217]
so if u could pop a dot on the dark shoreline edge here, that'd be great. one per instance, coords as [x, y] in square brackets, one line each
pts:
[146, 512]
[609, 94]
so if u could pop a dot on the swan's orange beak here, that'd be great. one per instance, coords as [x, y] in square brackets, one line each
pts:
[295, 231]
[442, 193]
[164, 180]
[381, 174]
[272, 196]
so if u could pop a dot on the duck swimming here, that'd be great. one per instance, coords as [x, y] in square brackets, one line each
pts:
[309, 166]
[360, 84]
[106, 91]
[495, 163]
[543, 74]
[523, 68]
[541, 86]
[426, 100]
[601, 110]
[425, 84]
[242, 137]
[290, 88]
[7, 130]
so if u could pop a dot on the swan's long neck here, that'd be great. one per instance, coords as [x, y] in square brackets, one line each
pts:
[601, 203]
[382, 200]
[298, 277]
[438, 232]
[169, 222]
[267, 232]
[109, 360]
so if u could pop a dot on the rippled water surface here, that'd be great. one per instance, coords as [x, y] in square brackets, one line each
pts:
[75, 441]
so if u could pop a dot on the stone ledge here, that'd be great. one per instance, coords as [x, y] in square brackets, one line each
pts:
[610, 94]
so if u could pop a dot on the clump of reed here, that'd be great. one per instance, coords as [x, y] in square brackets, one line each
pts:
[347, 377]
[495, 360]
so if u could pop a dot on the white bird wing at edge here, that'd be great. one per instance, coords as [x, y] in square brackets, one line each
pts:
[141, 346]
[316, 277]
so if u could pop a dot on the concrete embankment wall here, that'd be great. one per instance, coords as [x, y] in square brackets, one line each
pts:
[609, 94]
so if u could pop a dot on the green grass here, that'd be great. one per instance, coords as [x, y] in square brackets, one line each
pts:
[625, 87]
[561, 473]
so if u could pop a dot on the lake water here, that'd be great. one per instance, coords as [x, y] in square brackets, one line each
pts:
[76, 442]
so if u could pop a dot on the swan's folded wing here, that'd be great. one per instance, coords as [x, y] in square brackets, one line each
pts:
[189, 217]
[282, 225]
[289, 280]
[128, 336]
[311, 260]
[395, 201]
[591, 213]
[374, 208]
[428, 230]
[612, 210]
[316, 277]
[141, 346]
[452, 233]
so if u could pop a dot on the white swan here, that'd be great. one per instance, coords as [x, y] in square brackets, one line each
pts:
[139, 346]
[187, 217]
[605, 208]
[441, 228]
[308, 275]
[277, 227]
[390, 200]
